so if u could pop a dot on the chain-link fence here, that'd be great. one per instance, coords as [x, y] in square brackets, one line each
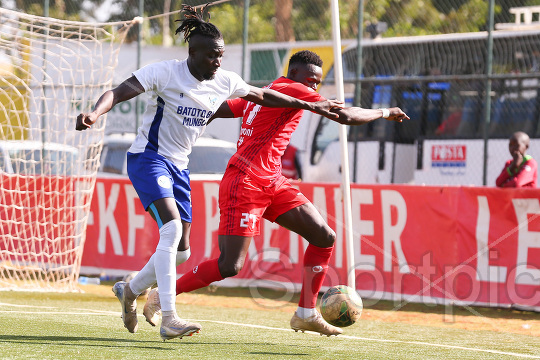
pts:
[466, 72]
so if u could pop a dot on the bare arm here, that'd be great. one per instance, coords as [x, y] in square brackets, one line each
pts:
[359, 116]
[271, 98]
[224, 111]
[125, 91]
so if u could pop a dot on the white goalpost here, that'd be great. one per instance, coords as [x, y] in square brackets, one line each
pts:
[345, 179]
[50, 71]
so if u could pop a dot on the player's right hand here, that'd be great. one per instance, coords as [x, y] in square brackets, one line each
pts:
[85, 121]
[396, 114]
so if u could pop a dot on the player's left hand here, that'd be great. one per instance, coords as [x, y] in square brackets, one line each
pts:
[85, 121]
[324, 107]
[396, 114]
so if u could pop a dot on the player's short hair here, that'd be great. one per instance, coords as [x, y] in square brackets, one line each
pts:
[193, 23]
[305, 57]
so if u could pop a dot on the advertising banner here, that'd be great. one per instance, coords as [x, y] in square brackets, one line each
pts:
[461, 161]
[451, 245]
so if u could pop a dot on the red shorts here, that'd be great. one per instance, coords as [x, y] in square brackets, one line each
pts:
[242, 202]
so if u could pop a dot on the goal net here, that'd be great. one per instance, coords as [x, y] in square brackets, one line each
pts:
[50, 71]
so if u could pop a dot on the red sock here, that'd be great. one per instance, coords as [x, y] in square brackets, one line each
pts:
[202, 275]
[316, 261]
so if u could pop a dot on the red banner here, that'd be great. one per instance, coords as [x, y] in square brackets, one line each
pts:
[462, 245]
[38, 219]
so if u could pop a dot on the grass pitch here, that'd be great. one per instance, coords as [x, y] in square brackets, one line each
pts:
[238, 325]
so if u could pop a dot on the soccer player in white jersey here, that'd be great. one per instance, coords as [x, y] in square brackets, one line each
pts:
[184, 96]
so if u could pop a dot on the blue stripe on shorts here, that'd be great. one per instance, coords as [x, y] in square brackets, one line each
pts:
[154, 177]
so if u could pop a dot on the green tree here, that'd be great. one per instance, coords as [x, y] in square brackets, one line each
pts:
[422, 17]
[309, 19]
[228, 17]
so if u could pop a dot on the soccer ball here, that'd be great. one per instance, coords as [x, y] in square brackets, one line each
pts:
[341, 306]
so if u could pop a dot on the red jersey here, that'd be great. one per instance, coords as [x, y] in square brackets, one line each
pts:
[266, 132]
[525, 175]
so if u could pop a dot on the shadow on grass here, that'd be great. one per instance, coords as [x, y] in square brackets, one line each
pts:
[120, 343]
[80, 341]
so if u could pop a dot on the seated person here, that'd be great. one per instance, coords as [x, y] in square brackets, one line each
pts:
[521, 170]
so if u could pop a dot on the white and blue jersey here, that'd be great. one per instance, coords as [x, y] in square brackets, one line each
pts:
[180, 106]
[177, 112]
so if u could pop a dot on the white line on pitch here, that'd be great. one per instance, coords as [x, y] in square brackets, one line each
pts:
[382, 340]
[28, 306]
[104, 313]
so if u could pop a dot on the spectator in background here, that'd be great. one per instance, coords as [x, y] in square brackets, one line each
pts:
[521, 170]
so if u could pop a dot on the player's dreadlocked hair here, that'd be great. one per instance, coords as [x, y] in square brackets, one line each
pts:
[194, 24]
[306, 57]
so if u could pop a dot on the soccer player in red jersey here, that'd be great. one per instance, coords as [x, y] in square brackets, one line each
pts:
[254, 188]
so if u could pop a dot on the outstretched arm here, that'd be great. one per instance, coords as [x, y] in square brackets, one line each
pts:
[125, 91]
[272, 98]
[359, 116]
[224, 111]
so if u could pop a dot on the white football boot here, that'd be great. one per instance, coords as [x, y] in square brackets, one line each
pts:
[178, 328]
[314, 323]
[152, 307]
[128, 301]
